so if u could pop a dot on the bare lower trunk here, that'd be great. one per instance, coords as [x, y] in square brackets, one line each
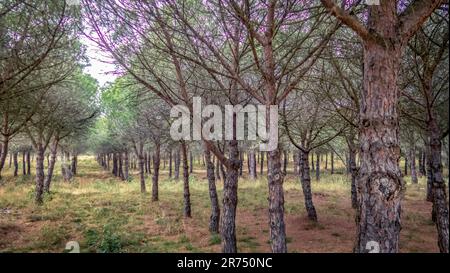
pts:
[156, 163]
[380, 185]
[412, 158]
[170, 163]
[305, 181]
[16, 163]
[353, 170]
[276, 203]
[51, 165]
[74, 168]
[261, 171]
[218, 169]
[438, 189]
[285, 161]
[28, 163]
[186, 192]
[39, 173]
[127, 166]
[317, 166]
[230, 199]
[252, 163]
[24, 166]
[177, 164]
[141, 172]
[332, 163]
[215, 210]
[191, 162]
[3, 153]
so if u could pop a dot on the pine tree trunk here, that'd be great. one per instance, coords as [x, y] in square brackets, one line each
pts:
[156, 163]
[305, 181]
[16, 163]
[29, 162]
[191, 162]
[214, 219]
[406, 165]
[438, 189]
[380, 183]
[177, 164]
[276, 203]
[127, 166]
[39, 173]
[186, 192]
[332, 163]
[412, 157]
[230, 199]
[261, 172]
[24, 166]
[170, 163]
[317, 166]
[51, 165]
[285, 161]
[3, 153]
[218, 169]
[141, 171]
[353, 170]
[252, 161]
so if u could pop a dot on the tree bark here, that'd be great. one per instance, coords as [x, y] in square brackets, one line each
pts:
[305, 181]
[214, 219]
[230, 199]
[16, 163]
[28, 162]
[177, 164]
[186, 192]
[191, 162]
[276, 203]
[261, 171]
[170, 163]
[3, 153]
[24, 166]
[380, 184]
[252, 161]
[155, 178]
[51, 165]
[317, 166]
[438, 188]
[127, 166]
[412, 164]
[332, 162]
[285, 161]
[40, 150]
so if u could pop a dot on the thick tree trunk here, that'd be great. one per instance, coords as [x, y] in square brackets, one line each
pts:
[276, 203]
[230, 199]
[51, 165]
[155, 178]
[115, 169]
[40, 154]
[438, 189]
[305, 181]
[214, 219]
[380, 183]
[186, 192]
[74, 164]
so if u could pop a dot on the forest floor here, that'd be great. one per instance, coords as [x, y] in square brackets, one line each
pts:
[105, 214]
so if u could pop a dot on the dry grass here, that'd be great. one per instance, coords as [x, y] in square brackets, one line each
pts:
[108, 215]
